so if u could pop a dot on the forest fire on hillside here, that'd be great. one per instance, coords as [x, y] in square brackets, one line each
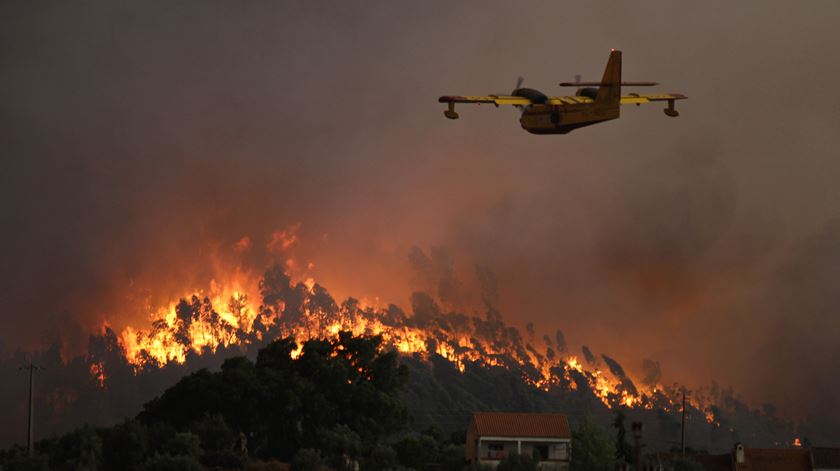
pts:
[245, 310]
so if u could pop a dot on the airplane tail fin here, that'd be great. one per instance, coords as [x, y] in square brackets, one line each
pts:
[609, 93]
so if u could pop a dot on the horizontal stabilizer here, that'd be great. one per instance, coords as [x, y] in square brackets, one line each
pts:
[598, 84]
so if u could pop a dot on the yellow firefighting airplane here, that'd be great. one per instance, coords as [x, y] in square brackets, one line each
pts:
[543, 114]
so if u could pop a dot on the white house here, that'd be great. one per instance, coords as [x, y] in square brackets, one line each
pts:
[492, 436]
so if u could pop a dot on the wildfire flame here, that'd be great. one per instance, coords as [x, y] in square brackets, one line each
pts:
[239, 312]
[238, 309]
[216, 318]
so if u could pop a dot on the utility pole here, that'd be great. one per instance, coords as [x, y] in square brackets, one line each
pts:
[682, 428]
[30, 442]
[637, 428]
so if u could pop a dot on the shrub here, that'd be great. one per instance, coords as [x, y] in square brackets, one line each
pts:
[307, 459]
[517, 462]
[172, 463]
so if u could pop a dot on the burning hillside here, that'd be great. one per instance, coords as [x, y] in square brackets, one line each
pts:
[245, 311]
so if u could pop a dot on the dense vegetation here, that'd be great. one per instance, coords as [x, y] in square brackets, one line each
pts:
[336, 403]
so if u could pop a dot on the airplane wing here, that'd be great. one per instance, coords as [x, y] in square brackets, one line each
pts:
[497, 100]
[494, 99]
[513, 100]
[636, 99]
[632, 99]
[671, 98]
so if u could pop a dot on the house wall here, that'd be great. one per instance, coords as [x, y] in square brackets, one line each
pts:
[554, 453]
[496, 449]
[472, 443]
[548, 451]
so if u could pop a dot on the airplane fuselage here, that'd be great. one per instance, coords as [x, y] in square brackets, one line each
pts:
[562, 119]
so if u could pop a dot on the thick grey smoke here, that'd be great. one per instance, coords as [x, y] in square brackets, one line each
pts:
[436, 274]
[652, 372]
[800, 345]
[139, 139]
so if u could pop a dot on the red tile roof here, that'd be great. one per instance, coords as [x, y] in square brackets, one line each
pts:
[510, 424]
[826, 457]
[775, 459]
[715, 462]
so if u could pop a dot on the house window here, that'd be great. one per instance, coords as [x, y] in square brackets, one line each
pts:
[495, 451]
[559, 451]
[540, 452]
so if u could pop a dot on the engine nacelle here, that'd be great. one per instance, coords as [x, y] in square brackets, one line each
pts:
[588, 92]
[537, 97]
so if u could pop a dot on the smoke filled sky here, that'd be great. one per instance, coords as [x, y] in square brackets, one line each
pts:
[140, 140]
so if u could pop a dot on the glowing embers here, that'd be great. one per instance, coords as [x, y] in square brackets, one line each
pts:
[97, 372]
[710, 418]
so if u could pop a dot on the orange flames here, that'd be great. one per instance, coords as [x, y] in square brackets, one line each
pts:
[237, 311]
[224, 311]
